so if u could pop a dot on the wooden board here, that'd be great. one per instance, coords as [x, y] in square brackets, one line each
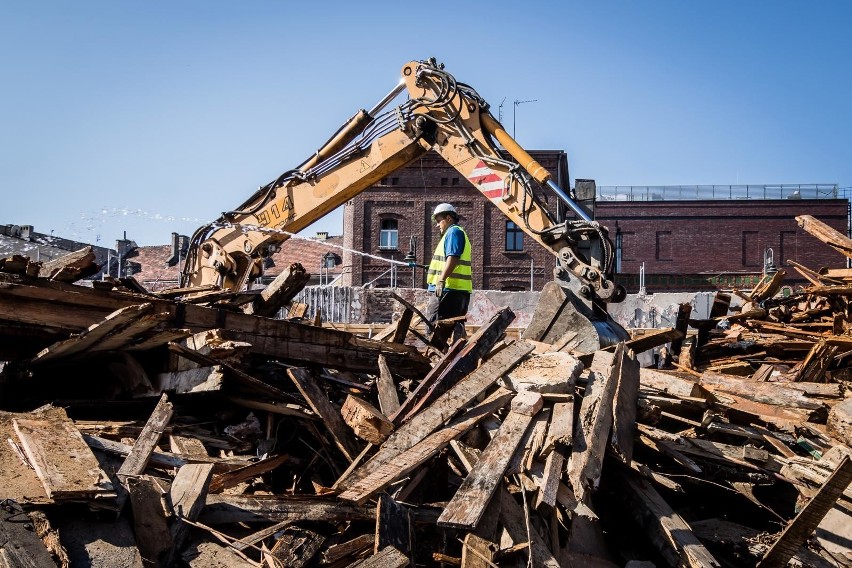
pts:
[408, 460]
[444, 408]
[468, 504]
[61, 459]
[137, 460]
[318, 401]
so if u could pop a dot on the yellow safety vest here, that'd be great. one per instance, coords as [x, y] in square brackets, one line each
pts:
[461, 278]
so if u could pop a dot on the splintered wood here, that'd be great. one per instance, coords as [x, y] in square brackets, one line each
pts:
[213, 435]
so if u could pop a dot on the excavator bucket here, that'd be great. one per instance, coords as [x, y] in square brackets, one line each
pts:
[559, 313]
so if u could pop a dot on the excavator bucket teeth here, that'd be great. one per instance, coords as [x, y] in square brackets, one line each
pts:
[558, 313]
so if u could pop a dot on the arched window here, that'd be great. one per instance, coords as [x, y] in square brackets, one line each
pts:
[389, 234]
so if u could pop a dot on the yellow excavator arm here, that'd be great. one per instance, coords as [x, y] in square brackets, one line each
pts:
[441, 114]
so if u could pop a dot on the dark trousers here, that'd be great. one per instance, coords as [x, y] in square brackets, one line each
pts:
[451, 304]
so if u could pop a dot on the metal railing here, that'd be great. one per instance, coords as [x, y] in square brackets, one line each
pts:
[719, 192]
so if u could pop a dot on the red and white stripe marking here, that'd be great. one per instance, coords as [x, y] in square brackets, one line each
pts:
[484, 178]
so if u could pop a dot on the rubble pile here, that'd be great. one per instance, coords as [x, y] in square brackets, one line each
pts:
[175, 429]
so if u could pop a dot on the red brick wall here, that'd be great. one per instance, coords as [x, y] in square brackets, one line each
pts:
[693, 237]
[419, 188]
[682, 243]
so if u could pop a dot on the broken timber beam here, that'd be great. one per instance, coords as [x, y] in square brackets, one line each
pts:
[669, 533]
[319, 403]
[828, 235]
[795, 534]
[468, 504]
[442, 409]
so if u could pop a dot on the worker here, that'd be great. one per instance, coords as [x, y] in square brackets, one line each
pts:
[449, 276]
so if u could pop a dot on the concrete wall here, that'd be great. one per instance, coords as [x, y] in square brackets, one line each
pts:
[377, 305]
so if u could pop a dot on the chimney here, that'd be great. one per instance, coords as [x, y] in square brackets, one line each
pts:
[586, 192]
[322, 235]
[175, 250]
[27, 232]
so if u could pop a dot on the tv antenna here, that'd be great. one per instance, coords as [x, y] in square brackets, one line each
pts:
[500, 111]
[515, 110]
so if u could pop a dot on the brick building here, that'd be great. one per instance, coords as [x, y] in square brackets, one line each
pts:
[689, 238]
[382, 221]
[701, 244]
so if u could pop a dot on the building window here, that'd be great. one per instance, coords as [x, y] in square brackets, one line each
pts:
[444, 181]
[514, 237]
[788, 248]
[664, 245]
[752, 255]
[455, 181]
[389, 235]
[394, 181]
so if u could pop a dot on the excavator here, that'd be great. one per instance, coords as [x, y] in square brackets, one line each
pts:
[450, 117]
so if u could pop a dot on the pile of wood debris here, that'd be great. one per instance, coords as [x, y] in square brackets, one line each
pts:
[162, 430]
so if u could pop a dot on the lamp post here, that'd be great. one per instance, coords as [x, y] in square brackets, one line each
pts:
[411, 257]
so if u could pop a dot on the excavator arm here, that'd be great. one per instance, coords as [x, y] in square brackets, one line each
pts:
[441, 114]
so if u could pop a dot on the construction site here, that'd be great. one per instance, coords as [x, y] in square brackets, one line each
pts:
[251, 396]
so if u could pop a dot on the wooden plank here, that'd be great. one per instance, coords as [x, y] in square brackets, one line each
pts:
[200, 379]
[338, 551]
[560, 431]
[650, 340]
[280, 291]
[74, 308]
[625, 406]
[776, 394]
[72, 266]
[800, 528]
[153, 536]
[514, 521]
[595, 419]
[668, 383]
[187, 496]
[393, 526]
[549, 487]
[243, 378]
[166, 460]
[477, 552]
[468, 504]
[386, 558]
[669, 533]
[428, 381]
[366, 420]
[408, 460]
[319, 403]
[444, 408]
[224, 509]
[61, 459]
[476, 348]
[189, 446]
[388, 397]
[95, 333]
[147, 441]
[296, 547]
[828, 235]
[234, 477]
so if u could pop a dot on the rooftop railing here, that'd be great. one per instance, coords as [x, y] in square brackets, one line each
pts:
[710, 192]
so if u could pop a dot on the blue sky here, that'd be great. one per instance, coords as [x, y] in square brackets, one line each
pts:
[153, 117]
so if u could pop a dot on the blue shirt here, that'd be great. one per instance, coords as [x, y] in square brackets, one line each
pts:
[454, 243]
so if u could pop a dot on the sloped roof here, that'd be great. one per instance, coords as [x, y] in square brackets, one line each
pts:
[155, 274]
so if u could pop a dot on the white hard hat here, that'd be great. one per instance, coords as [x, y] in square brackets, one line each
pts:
[445, 208]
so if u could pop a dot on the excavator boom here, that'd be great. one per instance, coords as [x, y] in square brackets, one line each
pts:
[439, 114]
